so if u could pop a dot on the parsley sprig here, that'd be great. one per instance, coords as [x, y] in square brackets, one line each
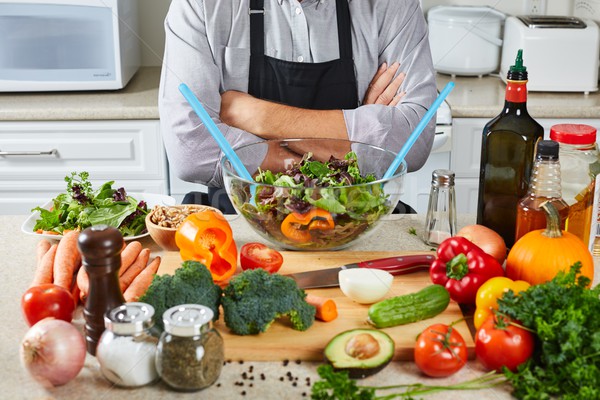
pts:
[338, 386]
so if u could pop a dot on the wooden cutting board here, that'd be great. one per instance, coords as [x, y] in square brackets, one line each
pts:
[280, 342]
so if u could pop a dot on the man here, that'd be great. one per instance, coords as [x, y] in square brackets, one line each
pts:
[267, 69]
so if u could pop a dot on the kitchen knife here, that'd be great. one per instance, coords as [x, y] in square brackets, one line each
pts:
[400, 265]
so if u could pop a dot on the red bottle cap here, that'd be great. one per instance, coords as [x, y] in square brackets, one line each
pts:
[573, 133]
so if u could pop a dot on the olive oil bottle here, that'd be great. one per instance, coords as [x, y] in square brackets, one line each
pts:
[507, 155]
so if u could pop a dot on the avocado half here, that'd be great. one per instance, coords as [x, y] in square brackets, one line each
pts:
[361, 352]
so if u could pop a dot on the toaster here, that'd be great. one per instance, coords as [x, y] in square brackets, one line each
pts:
[561, 53]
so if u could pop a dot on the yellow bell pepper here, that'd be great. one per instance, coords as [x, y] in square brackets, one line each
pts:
[490, 292]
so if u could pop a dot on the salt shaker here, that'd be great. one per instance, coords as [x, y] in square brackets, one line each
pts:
[440, 222]
[127, 349]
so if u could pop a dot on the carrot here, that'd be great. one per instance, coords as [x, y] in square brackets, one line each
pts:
[67, 260]
[42, 248]
[141, 282]
[326, 307]
[138, 266]
[129, 254]
[43, 272]
[83, 283]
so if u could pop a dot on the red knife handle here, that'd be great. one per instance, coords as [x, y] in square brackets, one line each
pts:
[400, 265]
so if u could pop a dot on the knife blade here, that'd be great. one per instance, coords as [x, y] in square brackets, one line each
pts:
[328, 277]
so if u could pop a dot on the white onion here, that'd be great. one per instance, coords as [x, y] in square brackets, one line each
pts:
[53, 351]
[364, 285]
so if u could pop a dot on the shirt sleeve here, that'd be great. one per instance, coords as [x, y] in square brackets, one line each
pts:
[192, 152]
[404, 39]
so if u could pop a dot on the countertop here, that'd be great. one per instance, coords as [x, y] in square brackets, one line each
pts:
[472, 97]
[17, 250]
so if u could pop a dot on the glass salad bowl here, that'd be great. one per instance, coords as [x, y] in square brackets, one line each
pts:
[313, 194]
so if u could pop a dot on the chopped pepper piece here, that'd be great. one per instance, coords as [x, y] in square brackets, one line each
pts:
[462, 267]
[297, 227]
[206, 236]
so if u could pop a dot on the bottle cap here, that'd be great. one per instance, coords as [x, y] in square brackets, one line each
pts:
[547, 150]
[517, 72]
[130, 318]
[187, 319]
[442, 178]
[573, 133]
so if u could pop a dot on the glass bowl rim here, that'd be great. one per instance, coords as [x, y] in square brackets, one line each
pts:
[403, 166]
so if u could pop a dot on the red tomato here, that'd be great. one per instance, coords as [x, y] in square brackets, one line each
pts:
[257, 255]
[499, 343]
[440, 351]
[47, 300]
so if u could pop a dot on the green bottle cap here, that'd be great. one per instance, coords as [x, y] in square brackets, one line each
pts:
[517, 72]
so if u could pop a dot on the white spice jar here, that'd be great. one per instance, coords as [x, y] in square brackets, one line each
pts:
[127, 349]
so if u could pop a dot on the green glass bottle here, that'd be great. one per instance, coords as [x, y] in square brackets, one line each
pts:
[507, 154]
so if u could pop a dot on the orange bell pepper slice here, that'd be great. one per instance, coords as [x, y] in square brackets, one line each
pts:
[297, 227]
[206, 236]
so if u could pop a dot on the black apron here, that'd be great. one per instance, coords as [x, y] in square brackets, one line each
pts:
[327, 85]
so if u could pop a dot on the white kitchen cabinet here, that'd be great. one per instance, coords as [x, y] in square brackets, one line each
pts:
[466, 155]
[36, 156]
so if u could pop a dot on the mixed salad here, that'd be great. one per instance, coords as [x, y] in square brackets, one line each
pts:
[314, 204]
[81, 207]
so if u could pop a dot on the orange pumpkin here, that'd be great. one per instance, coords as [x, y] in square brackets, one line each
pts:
[538, 255]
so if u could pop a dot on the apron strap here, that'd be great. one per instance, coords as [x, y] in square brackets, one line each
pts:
[344, 29]
[257, 23]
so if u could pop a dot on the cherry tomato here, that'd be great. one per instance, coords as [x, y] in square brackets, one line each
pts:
[498, 343]
[440, 351]
[257, 255]
[47, 300]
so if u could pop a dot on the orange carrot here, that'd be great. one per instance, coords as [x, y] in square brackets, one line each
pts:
[129, 254]
[141, 282]
[326, 307]
[42, 248]
[83, 283]
[67, 260]
[43, 271]
[138, 266]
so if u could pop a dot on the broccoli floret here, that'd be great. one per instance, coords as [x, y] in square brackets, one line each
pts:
[256, 298]
[192, 283]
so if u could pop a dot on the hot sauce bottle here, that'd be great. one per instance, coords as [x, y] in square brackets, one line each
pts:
[507, 153]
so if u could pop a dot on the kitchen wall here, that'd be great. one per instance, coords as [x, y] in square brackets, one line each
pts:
[152, 14]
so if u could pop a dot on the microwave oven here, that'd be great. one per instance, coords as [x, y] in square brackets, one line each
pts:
[68, 45]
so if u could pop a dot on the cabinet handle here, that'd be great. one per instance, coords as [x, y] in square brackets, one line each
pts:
[52, 152]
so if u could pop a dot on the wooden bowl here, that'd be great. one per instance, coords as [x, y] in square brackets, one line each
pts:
[163, 233]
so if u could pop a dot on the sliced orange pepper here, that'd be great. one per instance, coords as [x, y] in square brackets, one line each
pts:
[206, 236]
[297, 227]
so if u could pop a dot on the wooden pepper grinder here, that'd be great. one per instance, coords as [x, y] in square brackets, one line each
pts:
[100, 247]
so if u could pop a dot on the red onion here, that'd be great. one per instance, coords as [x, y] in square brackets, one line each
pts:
[53, 351]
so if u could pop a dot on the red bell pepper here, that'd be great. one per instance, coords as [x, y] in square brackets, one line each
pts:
[462, 267]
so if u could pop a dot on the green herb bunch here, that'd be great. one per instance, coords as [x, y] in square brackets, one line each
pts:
[565, 315]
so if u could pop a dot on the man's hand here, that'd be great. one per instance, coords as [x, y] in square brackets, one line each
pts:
[383, 88]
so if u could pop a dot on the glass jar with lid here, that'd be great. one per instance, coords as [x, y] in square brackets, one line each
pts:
[579, 159]
[126, 350]
[190, 351]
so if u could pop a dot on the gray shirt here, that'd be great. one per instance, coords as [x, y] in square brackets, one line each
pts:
[208, 48]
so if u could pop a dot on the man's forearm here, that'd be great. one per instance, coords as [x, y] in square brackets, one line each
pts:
[281, 121]
[271, 120]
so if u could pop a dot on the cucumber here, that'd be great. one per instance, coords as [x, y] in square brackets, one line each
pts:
[400, 310]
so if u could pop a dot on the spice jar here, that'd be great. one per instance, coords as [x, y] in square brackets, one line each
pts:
[127, 349]
[190, 351]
